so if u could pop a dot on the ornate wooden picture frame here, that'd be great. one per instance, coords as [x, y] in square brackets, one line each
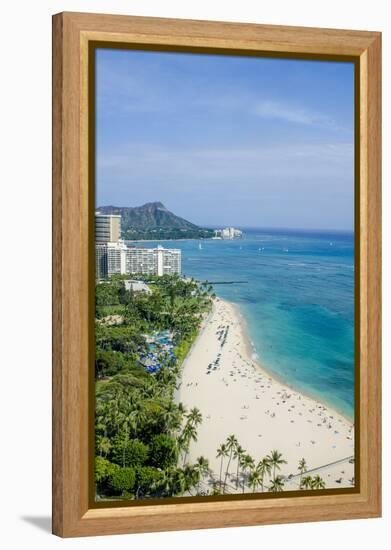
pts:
[75, 38]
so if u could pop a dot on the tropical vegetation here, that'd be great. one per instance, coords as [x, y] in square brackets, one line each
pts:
[143, 438]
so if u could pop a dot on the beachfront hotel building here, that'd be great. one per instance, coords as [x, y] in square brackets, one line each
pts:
[113, 257]
[110, 259]
[137, 286]
[229, 233]
[154, 261]
[107, 228]
[117, 258]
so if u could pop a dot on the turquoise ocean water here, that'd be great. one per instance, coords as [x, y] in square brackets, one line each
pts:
[297, 297]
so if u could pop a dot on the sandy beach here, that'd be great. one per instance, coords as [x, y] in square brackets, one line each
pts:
[237, 396]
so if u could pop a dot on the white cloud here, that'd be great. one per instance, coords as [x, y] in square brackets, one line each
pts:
[303, 185]
[287, 160]
[288, 113]
[133, 93]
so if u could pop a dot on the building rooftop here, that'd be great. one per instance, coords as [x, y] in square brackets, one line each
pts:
[137, 286]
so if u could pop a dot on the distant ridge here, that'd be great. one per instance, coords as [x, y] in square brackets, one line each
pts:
[154, 221]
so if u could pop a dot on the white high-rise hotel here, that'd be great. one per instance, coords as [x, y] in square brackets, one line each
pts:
[107, 228]
[114, 257]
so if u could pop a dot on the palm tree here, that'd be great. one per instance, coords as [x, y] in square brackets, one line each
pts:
[102, 417]
[231, 442]
[191, 477]
[255, 479]
[172, 295]
[180, 482]
[104, 446]
[302, 468]
[202, 468]
[306, 482]
[171, 418]
[222, 451]
[238, 455]
[182, 409]
[127, 423]
[167, 481]
[195, 416]
[166, 375]
[277, 485]
[189, 434]
[150, 390]
[275, 459]
[137, 415]
[318, 483]
[247, 465]
[264, 468]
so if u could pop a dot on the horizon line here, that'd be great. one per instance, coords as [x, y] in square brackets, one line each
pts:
[284, 228]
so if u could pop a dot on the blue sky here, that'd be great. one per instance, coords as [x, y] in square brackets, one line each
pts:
[227, 140]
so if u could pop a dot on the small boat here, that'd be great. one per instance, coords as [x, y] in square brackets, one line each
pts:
[200, 246]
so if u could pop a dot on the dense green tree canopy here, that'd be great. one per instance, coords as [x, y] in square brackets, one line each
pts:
[139, 428]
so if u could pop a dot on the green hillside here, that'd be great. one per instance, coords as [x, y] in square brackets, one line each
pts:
[154, 221]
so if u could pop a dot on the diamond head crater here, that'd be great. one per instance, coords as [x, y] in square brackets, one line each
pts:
[153, 221]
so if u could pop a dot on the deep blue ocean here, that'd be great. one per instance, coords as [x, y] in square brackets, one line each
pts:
[297, 297]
